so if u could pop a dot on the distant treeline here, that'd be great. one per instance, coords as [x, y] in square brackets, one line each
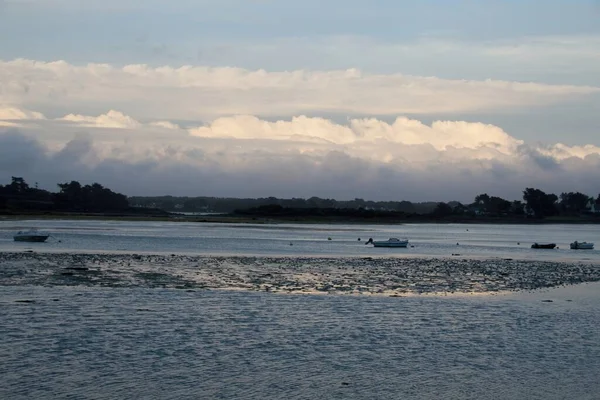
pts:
[18, 196]
[229, 204]
[535, 204]
[73, 197]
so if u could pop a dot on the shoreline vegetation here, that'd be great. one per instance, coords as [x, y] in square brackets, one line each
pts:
[18, 201]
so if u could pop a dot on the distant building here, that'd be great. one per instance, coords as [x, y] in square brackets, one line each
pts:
[475, 209]
[592, 207]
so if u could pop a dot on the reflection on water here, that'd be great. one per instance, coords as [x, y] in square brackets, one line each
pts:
[141, 343]
[286, 239]
[106, 343]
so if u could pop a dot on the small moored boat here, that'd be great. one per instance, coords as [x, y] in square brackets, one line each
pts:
[543, 245]
[391, 242]
[582, 246]
[31, 235]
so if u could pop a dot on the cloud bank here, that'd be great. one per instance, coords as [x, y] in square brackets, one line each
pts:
[316, 103]
[205, 93]
[244, 155]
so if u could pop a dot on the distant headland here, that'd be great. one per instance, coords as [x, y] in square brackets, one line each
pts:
[74, 200]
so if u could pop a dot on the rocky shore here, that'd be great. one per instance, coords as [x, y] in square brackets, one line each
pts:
[369, 276]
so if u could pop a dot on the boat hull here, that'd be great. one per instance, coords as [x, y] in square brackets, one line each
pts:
[36, 239]
[543, 246]
[388, 244]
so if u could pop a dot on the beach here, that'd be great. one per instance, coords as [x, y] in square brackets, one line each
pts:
[385, 276]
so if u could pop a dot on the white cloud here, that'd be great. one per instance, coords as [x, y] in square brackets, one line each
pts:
[18, 114]
[302, 157]
[165, 125]
[561, 151]
[112, 119]
[441, 135]
[12, 116]
[203, 93]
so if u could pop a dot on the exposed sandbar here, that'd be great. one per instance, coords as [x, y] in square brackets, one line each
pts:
[349, 276]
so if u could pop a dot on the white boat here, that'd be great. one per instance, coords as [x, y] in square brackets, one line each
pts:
[391, 242]
[582, 246]
[32, 235]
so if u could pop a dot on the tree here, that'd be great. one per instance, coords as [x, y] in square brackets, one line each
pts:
[573, 202]
[459, 208]
[70, 195]
[498, 205]
[95, 197]
[194, 204]
[405, 206]
[483, 201]
[516, 208]
[539, 203]
[18, 185]
[442, 210]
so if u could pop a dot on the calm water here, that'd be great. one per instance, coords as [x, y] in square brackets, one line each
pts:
[162, 344]
[194, 238]
[105, 343]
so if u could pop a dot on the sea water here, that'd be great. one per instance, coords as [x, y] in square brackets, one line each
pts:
[106, 343]
[99, 343]
[470, 240]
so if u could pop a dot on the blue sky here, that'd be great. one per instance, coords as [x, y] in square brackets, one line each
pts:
[529, 68]
[124, 30]
[378, 18]
[559, 40]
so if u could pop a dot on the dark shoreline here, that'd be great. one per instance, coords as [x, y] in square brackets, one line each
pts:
[241, 219]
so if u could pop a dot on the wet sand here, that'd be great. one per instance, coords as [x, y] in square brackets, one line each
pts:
[347, 276]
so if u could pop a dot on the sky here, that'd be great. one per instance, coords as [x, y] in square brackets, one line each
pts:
[382, 100]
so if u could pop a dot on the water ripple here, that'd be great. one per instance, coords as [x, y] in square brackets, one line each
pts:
[105, 343]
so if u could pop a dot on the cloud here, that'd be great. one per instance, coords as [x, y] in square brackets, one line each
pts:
[560, 151]
[18, 154]
[205, 93]
[302, 156]
[165, 124]
[112, 119]
[441, 135]
[13, 113]
[11, 116]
